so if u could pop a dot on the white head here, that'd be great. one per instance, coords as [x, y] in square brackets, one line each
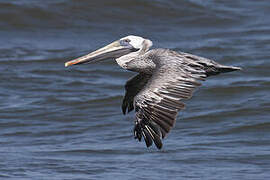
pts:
[138, 42]
[128, 46]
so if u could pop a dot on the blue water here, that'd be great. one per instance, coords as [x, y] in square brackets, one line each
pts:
[66, 123]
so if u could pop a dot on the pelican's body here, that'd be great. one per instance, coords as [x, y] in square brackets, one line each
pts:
[165, 78]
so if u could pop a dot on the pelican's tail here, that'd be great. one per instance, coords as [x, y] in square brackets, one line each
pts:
[224, 69]
[217, 69]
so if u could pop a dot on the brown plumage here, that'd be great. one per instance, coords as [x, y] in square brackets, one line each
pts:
[165, 79]
[158, 94]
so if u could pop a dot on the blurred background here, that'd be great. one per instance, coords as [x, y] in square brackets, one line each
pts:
[66, 123]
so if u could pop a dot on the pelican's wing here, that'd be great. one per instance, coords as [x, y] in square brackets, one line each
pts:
[133, 86]
[158, 103]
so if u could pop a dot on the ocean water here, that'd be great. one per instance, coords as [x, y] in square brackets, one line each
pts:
[66, 123]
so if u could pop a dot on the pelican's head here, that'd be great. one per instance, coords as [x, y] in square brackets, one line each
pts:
[116, 49]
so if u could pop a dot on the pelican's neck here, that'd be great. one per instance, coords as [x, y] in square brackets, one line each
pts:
[123, 60]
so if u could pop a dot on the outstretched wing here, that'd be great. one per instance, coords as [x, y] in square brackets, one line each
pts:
[133, 86]
[158, 103]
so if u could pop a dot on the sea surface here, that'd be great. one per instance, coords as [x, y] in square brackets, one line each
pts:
[61, 123]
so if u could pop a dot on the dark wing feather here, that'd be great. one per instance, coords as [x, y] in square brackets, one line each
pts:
[175, 77]
[158, 103]
[133, 87]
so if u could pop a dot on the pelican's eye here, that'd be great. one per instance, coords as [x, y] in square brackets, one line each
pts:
[124, 42]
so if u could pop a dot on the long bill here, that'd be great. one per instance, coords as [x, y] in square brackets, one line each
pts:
[112, 50]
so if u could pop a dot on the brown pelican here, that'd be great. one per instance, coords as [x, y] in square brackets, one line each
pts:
[165, 78]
